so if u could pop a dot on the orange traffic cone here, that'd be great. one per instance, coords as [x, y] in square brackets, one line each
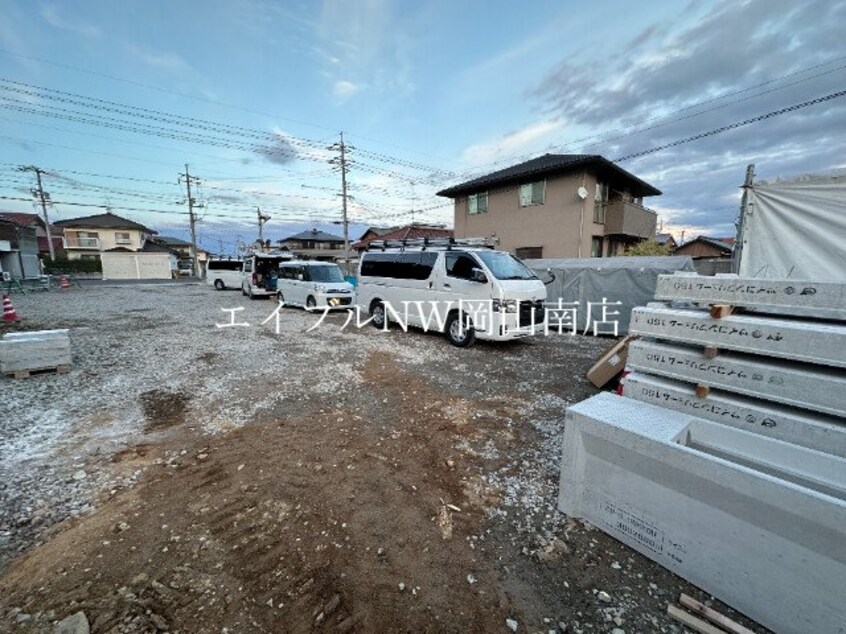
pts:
[10, 315]
[64, 282]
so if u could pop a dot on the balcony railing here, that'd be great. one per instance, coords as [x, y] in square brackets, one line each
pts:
[629, 219]
[75, 242]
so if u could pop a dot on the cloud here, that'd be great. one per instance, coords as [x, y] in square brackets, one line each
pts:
[646, 94]
[343, 90]
[512, 143]
[364, 44]
[279, 151]
[170, 62]
[51, 14]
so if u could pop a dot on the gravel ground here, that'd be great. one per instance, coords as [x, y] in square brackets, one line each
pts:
[166, 420]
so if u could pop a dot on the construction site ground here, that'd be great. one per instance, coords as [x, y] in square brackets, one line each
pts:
[189, 478]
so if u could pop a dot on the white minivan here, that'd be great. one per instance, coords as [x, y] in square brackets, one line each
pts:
[224, 273]
[466, 292]
[260, 272]
[313, 284]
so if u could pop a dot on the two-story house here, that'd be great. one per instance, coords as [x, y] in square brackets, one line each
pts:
[315, 244]
[86, 238]
[556, 206]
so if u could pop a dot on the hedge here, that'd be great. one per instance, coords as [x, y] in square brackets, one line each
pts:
[72, 266]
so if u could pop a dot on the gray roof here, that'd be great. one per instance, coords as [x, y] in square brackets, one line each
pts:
[314, 234]
[107, 220]
[663, 238]
[172, 241]
[714, 242]
[555, 165]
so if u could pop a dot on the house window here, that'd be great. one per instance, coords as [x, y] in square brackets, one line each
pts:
[528, 253]
[532, 193]
[122, 238]
[600, 203]
[477, 203]
[596, 247]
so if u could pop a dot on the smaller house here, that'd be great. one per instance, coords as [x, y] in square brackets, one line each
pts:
[18, 250]
[37, 222]
[182, 249]
[705, 247]
[408, 232]
[88, 237]
[710, 255]
[666, 239]
[314, 244]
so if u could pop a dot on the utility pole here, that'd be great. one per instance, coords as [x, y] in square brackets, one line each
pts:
[261, 221]
[192, 219]
[413, 200]
[745, 210]
[42, 196]
[342, 162]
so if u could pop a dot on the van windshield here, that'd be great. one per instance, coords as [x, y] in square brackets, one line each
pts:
[505, 266]
[325, 274]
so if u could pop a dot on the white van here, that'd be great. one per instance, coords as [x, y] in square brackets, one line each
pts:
[223, 274]
[314, 284]
[462, 290]
[260, 273]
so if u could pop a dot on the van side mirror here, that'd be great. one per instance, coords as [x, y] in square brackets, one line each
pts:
[478, 275]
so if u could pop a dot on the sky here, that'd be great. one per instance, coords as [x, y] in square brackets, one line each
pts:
[113, 99]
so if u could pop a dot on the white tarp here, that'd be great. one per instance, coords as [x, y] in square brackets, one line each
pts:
[796, 229]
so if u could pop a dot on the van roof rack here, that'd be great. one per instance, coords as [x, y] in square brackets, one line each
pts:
[431, 243]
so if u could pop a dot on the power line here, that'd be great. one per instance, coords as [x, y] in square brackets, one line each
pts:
[733, 126]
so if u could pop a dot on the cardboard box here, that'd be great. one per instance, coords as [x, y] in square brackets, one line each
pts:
[611, 363]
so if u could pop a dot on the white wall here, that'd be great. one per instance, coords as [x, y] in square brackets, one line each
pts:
[137, 266]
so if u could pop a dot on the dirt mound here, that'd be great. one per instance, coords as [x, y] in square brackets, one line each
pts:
[327, 521]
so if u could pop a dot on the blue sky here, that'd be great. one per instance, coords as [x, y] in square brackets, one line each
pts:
[428, 94]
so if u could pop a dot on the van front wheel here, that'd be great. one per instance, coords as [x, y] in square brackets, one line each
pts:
[460, 331]
[378, 317]
[219, 285]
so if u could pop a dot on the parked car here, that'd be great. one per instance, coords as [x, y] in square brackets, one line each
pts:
[314, 284]
[260, 272]
[224, 273]
[465, 291]
[185, 268]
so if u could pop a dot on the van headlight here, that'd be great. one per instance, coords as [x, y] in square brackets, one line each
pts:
[505, 305]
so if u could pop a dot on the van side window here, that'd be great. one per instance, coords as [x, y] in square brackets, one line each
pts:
[248, 266]
[401, 265]
[460, 265]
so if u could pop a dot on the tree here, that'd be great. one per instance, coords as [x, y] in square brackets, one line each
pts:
[648, 247]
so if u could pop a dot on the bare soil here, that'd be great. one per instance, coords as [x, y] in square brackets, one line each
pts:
[337, 480]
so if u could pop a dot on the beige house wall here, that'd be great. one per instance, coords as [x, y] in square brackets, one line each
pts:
[108, 240]
[563, 225]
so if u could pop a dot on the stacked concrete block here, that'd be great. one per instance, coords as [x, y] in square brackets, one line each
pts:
[826, 300]
[725, 460]
[797, 384]
[22, 353]
[790, 424]
[811, 342]
[757, 522]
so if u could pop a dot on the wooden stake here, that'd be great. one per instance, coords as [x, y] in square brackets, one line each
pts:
[710, 352]
[702, 391]
[692, 622]
[712, 615]
[719, 311]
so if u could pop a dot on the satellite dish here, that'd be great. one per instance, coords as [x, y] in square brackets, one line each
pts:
[583, 193]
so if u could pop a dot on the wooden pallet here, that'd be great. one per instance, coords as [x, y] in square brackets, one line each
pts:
[25, 374]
